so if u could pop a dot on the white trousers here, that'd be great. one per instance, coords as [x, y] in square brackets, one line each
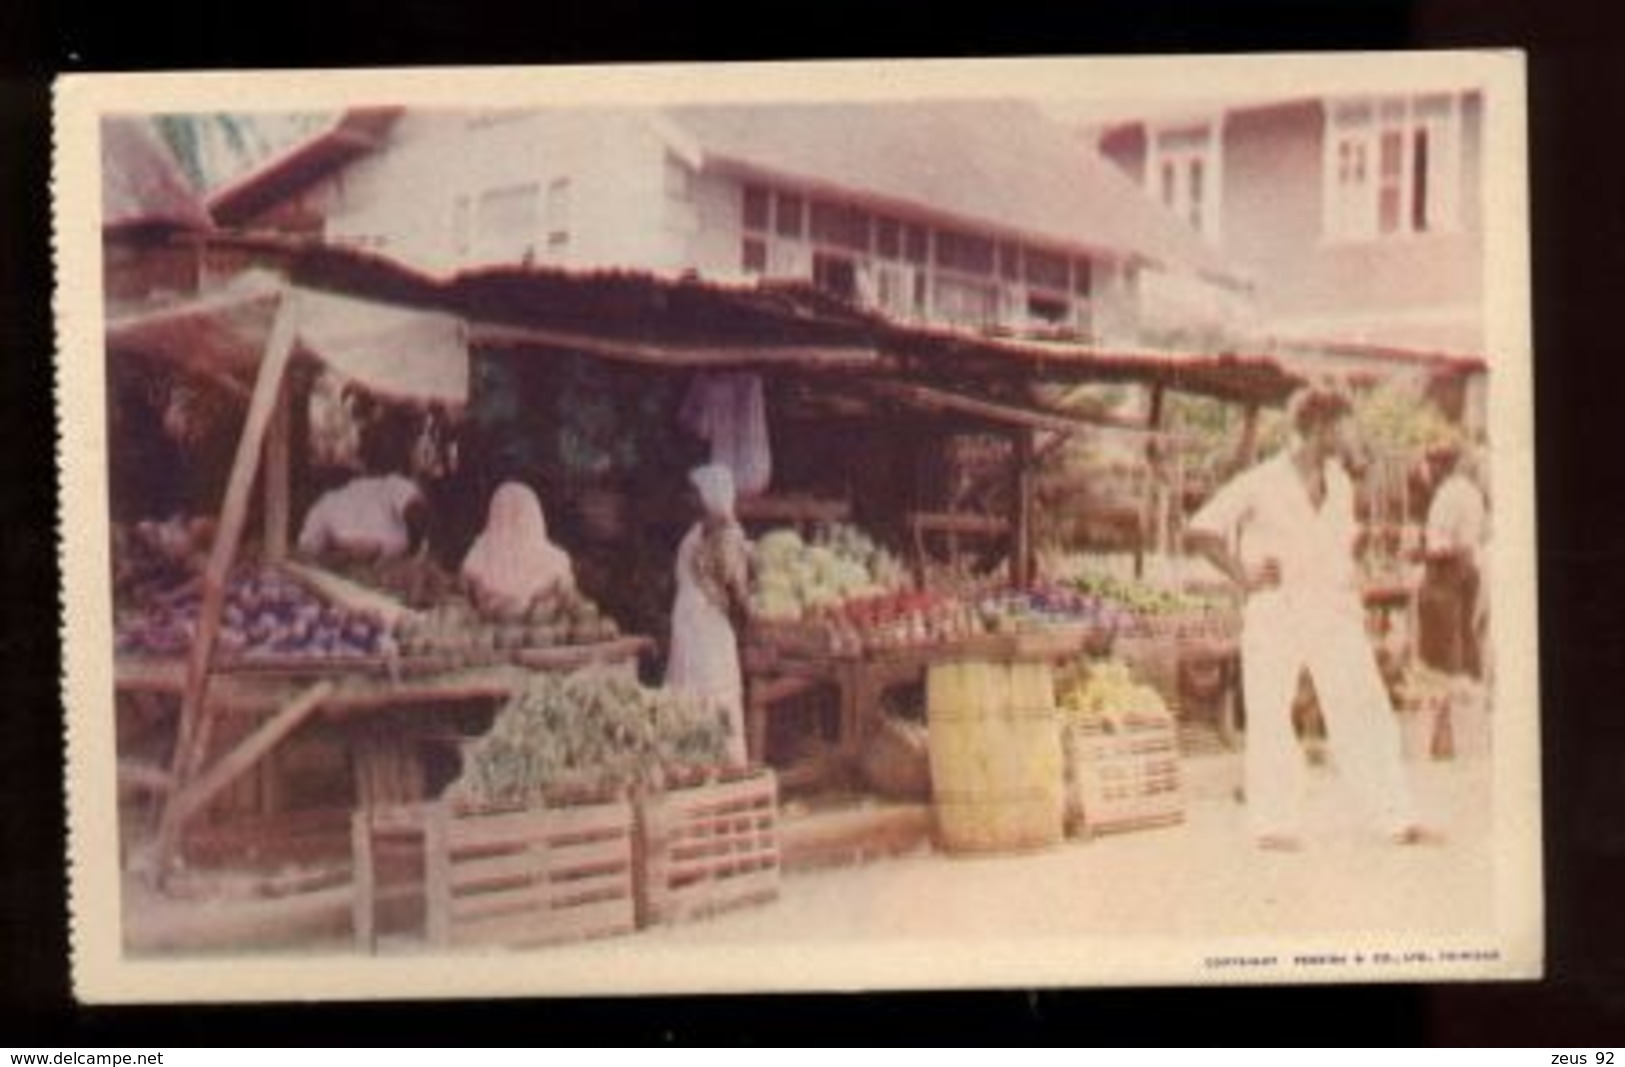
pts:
[1284, 634]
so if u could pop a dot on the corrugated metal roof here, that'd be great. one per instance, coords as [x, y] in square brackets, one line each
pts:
[142, 184]
[999, 164]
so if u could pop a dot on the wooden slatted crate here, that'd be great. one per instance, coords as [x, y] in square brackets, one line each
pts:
[708, 848]
[498, 878]
[1124, 780]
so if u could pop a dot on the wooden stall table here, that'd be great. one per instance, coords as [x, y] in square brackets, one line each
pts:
[267, 700]
[860, 678]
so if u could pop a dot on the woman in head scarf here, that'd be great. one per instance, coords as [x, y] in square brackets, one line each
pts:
[713, 569]
[512, 561]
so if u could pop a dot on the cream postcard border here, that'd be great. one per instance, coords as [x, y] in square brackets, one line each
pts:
[102, 972]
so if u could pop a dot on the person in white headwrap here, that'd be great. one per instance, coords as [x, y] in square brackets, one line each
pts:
[513, 562]
[713, 572]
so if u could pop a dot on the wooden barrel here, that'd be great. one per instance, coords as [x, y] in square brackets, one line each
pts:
[996, 764]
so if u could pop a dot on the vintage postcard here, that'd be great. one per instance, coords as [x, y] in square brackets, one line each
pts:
[750, 527]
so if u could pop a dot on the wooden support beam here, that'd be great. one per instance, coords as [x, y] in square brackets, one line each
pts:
[1247, 447]
[195, 725]
[930, 398]
[661, 354]
[195, 795]
[277, 458]
[1021, 520]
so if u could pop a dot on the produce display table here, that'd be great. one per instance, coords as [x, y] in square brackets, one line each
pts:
[273, 698]
[773, 675]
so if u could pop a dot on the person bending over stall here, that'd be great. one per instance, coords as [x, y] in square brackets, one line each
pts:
[713, 572]
[1285, 533]
[378, 515]
[512, 561]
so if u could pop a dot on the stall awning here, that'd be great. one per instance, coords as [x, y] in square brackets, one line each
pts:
[395, 351]
[392, 351]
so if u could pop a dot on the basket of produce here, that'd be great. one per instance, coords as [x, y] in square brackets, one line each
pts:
[707, 847]
[1122, 754]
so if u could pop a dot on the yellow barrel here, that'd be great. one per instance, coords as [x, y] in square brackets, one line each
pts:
[996, 766]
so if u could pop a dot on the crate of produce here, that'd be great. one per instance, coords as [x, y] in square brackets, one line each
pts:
[707, 848]
[492, 877]
[1122, 776]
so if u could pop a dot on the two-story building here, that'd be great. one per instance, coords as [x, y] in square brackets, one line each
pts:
[973, 214]
[1359, 218]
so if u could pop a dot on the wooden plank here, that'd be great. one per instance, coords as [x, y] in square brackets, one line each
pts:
[680, 801]
[472, 832]
[436, 876]
[1021, 518]
[540, 928]
[593, 854]
[366, 886]
[931, 398]
[567, 657]
[676, 355]
[195, 795]
[195, 725]
[277, 455]
[958, 523]
[501, 869]
[518, 898]
[345, 593]
[702, 898]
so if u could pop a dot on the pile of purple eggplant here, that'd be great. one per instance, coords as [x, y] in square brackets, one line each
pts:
[266, 616]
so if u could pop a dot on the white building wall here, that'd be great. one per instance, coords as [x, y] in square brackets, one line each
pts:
[593, 175]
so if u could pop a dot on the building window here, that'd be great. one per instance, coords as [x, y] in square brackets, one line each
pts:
[889, 238]
[1082, 277]
[835, 274]
[756, 207]
[1185, 160]
[962, 252]
[1010, 261]
[1047, 270]
[1392, 167]
[506, 224]
[916, 244]
[839, 225]
[965, 302]
[753, 256]
[790, 216]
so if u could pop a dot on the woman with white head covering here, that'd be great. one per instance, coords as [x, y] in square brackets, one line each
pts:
[713, 570]
[512, 561]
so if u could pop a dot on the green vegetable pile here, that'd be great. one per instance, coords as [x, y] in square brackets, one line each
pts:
[842, 563]
[595, 731]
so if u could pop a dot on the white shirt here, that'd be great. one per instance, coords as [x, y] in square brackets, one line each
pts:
[367, 513]
[1457, 517]
[1265, 513]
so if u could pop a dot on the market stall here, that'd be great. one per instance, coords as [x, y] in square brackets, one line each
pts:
[254, 650]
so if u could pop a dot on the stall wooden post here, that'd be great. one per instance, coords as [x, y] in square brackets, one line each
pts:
[276, 479]
[195, 727]
[1021, 520]
[1153, 423]
[1247, 447]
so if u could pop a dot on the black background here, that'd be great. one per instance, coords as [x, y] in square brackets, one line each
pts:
[1577, 97]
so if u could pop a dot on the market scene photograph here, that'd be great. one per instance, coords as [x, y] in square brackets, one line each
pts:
[573, 528]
